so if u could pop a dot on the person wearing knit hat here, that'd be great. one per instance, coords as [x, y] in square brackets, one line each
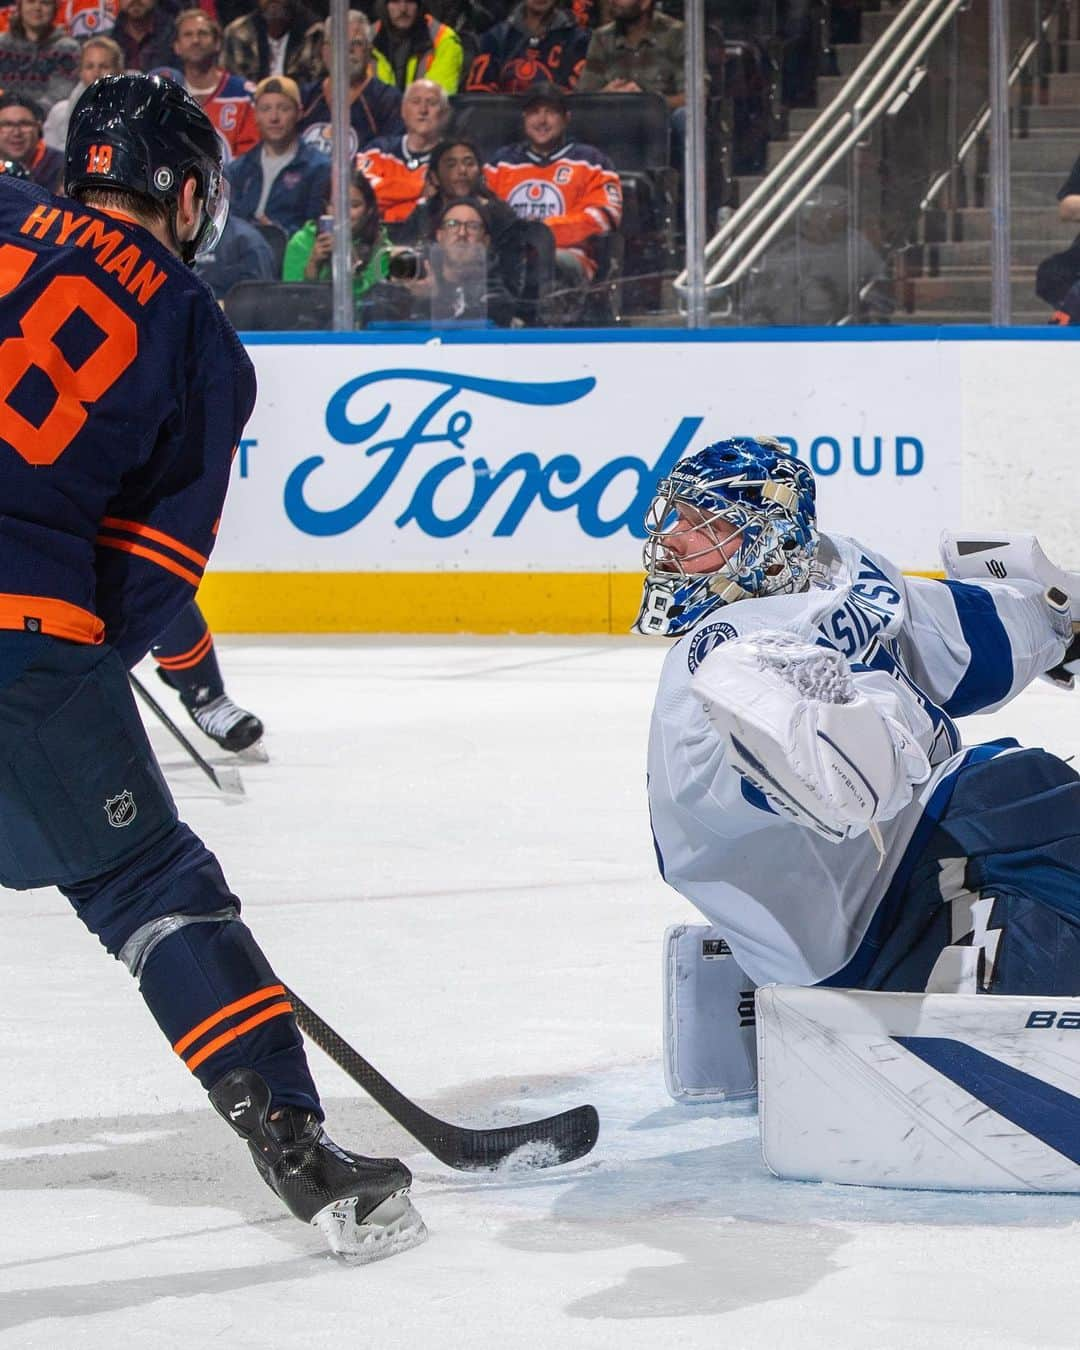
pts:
[280, 181]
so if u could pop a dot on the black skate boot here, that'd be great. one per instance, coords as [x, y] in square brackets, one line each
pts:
[233, 728]
[216, 715]
[360, 1205]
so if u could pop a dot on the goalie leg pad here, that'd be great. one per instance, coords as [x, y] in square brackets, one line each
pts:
[931, 1091]
[709, 1043]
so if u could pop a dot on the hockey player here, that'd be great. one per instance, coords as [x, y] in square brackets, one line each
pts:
[808, 788]
[122, 393]
[187, 662]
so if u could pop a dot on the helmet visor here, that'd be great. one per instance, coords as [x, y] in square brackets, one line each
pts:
[215, 214]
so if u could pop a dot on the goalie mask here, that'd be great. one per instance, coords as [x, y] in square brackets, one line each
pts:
[735, 520]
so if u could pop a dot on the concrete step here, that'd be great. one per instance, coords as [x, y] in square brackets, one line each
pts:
[1066, 55]
[776, 150]
[1063, 88]
[1037, 189]
[943, 318]
[974, 255]
[1043, 154]
[874, 23]
[1027, 223]
[799, 119]
[1032, 117]
[946, 293]
[849, 54]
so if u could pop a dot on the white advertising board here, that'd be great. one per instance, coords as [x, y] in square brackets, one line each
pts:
[494, 456]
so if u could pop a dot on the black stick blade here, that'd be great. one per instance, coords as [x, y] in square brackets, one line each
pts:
[539, 1143]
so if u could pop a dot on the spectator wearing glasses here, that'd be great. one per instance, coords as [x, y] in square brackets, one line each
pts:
[374, 107]
[463, 283]
[540, 42]
[37, 60]
[396, 166]
[20, 141]
[268, 41]
[100, 56]
[280, 181]
[224, 97]
[409, 45]
[525, 249]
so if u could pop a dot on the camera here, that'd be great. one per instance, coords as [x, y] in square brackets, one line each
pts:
[406, 264]
[326, 225]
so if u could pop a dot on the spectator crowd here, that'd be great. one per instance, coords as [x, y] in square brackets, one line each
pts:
[521, 234]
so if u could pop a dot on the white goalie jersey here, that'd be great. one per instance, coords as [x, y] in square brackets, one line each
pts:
[794, 905]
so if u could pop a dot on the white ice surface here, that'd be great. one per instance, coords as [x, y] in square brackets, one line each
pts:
[448, 855]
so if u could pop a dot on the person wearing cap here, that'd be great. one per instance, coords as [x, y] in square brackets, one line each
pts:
[281, 181]
[268, 41]
[572, 187]
[407, 45]
[396, 166]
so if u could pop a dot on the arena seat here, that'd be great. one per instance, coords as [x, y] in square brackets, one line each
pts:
[284, 306]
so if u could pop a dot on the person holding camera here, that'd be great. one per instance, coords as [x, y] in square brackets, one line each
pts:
[307, 254]
[461, 282]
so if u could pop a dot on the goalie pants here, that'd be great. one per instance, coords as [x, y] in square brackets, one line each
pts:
[84, 806]
[998, 870]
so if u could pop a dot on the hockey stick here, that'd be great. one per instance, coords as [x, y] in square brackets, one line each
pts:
[556, 1139]
[226, 780]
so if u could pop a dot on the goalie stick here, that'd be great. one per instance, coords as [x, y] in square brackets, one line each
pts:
[226, 780]
[567, 1136]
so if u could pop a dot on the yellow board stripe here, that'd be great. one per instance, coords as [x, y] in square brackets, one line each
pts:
[422, 602]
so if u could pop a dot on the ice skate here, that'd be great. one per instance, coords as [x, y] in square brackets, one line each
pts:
[234, 728]
[360, 1205]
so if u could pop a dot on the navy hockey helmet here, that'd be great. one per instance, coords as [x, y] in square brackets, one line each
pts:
[764, 496]
[145, 134]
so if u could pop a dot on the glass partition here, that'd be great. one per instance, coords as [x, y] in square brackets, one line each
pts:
[564, 131]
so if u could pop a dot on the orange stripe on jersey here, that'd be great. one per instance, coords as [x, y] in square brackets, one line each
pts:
[212, 1047]
[125, 547]
[158, 537]
[189, 658]
[57, 618]
[248, 1001]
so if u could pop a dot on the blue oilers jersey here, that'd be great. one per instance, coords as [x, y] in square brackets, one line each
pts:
[123, 392]
[794, 907]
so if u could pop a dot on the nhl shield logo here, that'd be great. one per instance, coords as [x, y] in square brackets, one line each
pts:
[120, 810]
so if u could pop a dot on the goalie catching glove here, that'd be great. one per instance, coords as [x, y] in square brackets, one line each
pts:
[797, 728]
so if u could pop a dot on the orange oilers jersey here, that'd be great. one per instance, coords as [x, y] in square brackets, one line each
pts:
[87, 18]
[232, 112]
[397, 177]
[575, 191]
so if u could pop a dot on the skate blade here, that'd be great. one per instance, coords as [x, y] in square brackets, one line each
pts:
[392, 1226]
[256, 753]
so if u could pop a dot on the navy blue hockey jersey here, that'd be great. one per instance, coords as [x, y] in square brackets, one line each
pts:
[123, 393]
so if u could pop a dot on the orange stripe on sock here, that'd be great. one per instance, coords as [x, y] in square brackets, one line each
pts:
[158, 536]
[187, 659]
[159, 558]
[248, 1001]
[234, 1033]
